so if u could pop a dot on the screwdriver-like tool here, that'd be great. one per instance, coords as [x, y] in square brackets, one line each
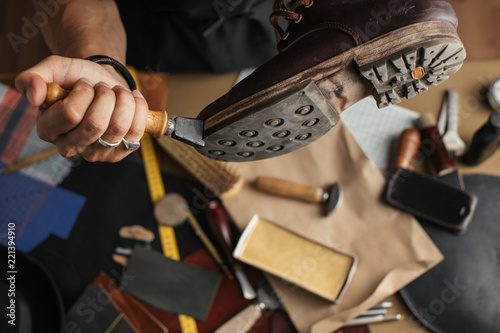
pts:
[186, 130]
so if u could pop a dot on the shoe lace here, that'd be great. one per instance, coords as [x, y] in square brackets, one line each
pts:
[287, 12]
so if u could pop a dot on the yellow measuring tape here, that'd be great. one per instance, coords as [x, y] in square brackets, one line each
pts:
[157, 191]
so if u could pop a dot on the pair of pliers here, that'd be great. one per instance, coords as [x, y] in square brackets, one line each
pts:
[447, 124]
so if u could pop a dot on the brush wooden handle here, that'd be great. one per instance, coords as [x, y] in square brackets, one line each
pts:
[409, 144]
[157, 121]
[289, 189]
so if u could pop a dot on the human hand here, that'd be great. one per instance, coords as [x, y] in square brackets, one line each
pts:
[99, 106]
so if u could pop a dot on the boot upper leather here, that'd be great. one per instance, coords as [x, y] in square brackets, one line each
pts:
[325, 29]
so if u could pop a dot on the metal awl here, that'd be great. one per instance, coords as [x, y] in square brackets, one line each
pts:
[448, 124]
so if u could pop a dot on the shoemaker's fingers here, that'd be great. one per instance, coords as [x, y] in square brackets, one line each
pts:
[67, 114]
[64, 71]
[33, 87]
[103, 140]
[31, 83]
[121, 117]
[131, 115]
[92, 126]
[138, 126]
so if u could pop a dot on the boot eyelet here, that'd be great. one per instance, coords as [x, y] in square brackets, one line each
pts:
[310, 4]
[299, 19]
[286, 36]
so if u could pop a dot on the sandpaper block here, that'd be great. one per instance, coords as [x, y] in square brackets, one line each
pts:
[321, 270]
[170, 285]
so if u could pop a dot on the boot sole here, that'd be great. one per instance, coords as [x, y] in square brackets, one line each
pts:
[411, 70]
[296, 112]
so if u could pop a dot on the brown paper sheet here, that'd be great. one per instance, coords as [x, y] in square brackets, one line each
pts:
[391, 246]
[474, 111]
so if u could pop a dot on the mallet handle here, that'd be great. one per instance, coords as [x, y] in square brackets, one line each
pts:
[289, 189]
[156, 124]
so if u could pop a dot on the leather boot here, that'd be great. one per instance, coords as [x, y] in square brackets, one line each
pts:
[332, 54]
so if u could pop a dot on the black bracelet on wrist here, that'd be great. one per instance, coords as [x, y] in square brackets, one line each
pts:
[105, 60]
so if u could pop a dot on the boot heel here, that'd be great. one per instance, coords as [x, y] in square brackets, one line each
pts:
[275, 126]
[410, 71]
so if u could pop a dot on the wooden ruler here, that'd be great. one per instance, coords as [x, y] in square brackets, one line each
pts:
[157, 191]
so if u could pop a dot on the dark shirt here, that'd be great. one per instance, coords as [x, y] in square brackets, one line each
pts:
[197, 35]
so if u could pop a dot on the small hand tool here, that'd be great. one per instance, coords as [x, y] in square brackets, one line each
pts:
[372, 320]
[174, 202]
[332, 197]
[424, 196]
[433, 146]
[30, 160]
[186, 130]
[218, 224]
[252, 131]
[245, 319]
[208, 244]
[130, 237]
[448, 124]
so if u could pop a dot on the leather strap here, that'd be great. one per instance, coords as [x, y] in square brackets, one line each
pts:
[105, 60]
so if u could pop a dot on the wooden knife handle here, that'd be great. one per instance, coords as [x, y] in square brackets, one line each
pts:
[157, 121]
[220, 229]
[289, 189]
[219, 226]
[409, 143]
[433, 146]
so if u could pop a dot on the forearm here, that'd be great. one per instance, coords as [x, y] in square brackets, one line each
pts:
[99, 104]
[82, 28]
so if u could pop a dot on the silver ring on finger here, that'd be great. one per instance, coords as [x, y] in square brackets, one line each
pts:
[109, 145]
[132, 145]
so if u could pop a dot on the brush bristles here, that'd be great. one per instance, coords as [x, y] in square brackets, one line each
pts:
[220, 178]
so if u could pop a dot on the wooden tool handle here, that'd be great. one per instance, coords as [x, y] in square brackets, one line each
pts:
[242, 321]
[157, 121]
[433, 145]
[31, 159]
[208, 244]
[289, 189]
[220, 229]
[409, 143]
